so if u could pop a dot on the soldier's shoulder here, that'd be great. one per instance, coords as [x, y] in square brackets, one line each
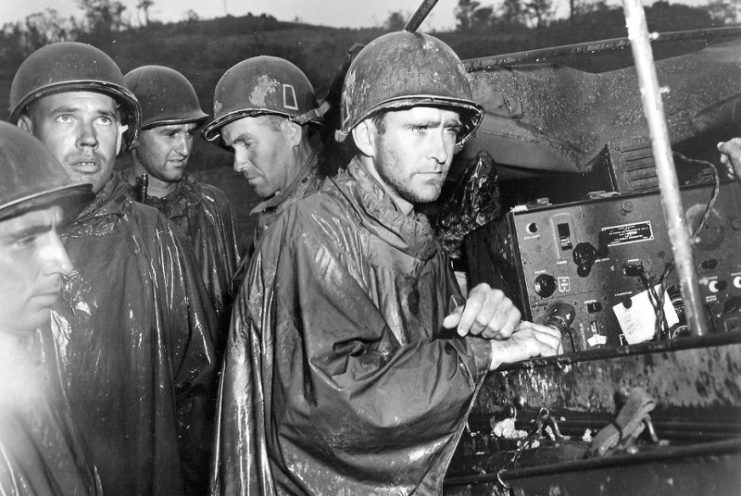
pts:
[152, 222]
[208, 191]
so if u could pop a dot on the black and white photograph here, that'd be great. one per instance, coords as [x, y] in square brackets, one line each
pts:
[388, 248]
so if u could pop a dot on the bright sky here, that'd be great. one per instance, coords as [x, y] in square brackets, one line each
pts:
[338, 13]
[349, 13]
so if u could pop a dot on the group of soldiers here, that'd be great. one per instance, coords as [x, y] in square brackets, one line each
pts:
[141, 357]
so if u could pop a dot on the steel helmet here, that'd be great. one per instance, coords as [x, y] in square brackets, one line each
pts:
[33, 179]
[165, 96]
[263, 85]
[72, 66]
[401, 70]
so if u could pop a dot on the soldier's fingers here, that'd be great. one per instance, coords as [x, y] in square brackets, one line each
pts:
[451, 320]
[504, 324]
[476, 300]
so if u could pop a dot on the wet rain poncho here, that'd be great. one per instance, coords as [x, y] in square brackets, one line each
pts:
[203, 213]
[42, 451]
[133, 330]
[306, 182]
[338, 376]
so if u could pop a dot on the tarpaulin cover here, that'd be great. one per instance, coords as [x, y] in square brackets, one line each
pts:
[338, 376]
[133, 329]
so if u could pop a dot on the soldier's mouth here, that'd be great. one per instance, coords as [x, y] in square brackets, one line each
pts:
[86, 166]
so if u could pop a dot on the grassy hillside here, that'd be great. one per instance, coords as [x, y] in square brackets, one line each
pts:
[204, 50]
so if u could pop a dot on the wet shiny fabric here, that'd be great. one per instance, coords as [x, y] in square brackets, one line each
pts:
[307, 181]
[338, 378]
[134, 334]
[41, 451]
[203, 213]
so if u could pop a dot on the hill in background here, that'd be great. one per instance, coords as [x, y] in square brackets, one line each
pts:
[204, 49]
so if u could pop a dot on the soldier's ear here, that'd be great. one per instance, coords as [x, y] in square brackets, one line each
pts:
[365, 136]
[293, 132]
[25, 123]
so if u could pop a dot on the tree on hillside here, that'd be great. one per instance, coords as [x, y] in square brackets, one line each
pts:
[472, 16]
[395, 21]
[103, 16]
[513, 12]
[41, 28]
[144, 6]
[464, 12]
[191, 16]
[663, 16]
[725, 11]
[539, 12]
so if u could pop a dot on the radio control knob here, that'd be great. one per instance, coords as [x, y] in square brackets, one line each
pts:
[584, 255]
[545, 285]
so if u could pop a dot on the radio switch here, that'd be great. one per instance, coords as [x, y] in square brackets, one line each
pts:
[564, 236]
[594, 306]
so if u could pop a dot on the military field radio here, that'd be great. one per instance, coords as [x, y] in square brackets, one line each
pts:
[611, 259]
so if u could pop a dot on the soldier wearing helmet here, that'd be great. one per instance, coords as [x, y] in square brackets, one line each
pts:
[170, 116]
[42, 449]
[134, 323]
[264, 111]
[345, 373]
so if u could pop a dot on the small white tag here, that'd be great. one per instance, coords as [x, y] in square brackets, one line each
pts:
[638, 322]
[596, 339]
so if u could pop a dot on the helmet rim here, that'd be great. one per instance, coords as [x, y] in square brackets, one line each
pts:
[410, 101]
[212, 131]
[74, 197]
[120, 94]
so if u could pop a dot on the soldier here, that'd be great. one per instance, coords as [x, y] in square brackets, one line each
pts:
[264, 109]
[42, 453]
[134, 323]
[170, 115]
[343, 373]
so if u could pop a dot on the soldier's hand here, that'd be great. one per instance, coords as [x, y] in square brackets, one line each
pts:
[528, 341]
[486, 313]
[730, 156]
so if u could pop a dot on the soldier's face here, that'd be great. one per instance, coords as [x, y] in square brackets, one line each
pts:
[262, 153]
[82, 130]
[164, 150]
[414, 152]
[32, 263]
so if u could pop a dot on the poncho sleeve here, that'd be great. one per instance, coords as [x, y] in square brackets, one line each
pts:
[318, 391]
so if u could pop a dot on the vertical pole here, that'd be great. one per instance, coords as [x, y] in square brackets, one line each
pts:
[671, 200]
[421, 13]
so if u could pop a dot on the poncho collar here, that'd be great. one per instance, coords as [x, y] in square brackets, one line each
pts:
[111, 203]
[306, 174]
[109, 199]
[410, 233]
[187, 194]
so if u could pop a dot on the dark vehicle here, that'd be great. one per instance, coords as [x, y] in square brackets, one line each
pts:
[561, 194]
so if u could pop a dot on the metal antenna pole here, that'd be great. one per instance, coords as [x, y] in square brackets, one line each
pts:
[671, 199]
[419, 16]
